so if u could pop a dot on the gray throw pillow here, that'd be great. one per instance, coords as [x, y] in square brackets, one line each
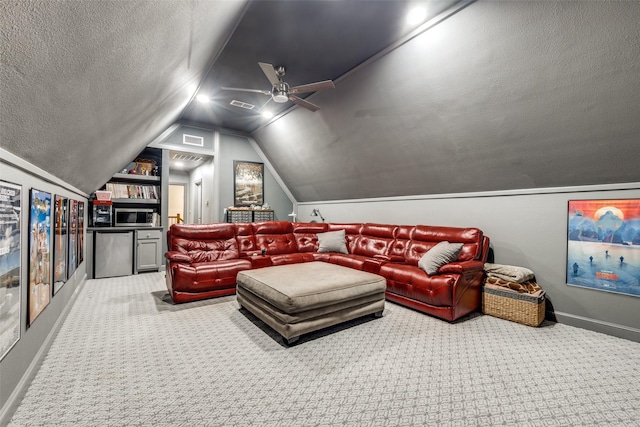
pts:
[333, 241]
[439, 255]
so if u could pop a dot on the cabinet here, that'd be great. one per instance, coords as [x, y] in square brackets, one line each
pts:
[137, 188]
[148, 250]
[249, 215]
[113, 253]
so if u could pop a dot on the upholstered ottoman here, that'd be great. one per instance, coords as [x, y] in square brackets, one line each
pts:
[295, 299]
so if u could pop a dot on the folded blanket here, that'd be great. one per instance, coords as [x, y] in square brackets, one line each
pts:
[533, 294]
[530, 287]
[509, 273]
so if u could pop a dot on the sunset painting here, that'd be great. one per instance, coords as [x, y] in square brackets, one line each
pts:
[603, 248]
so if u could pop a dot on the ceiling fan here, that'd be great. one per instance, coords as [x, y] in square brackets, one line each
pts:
[281, 92]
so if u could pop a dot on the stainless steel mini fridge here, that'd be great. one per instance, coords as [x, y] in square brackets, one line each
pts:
[113, 254]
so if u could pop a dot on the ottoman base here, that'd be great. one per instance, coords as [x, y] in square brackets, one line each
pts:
[364, 294]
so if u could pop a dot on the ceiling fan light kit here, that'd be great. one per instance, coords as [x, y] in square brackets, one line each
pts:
[281, 92]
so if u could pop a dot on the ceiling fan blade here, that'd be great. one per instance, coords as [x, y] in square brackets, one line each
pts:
[301, 102]
[313, 87]
[264, 92]
[270, 72]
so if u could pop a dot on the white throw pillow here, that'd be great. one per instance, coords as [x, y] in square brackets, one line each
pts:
[333, 241]
[439, 255]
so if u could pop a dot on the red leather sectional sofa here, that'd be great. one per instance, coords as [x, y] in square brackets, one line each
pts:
[203, 260]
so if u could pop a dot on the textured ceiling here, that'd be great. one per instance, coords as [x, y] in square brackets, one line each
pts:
[86, 85]
[314, 40]
[500, 95]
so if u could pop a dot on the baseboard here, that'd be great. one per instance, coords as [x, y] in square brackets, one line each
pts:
[6, 412]
[608, 328]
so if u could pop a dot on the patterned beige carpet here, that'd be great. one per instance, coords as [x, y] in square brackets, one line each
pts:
[124, 357]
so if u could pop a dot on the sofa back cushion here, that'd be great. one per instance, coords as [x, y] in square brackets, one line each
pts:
[276, 237]
[399, 245]
[374, 239]
[203, 242]
[245, 237]
[306, 235]
[425, 237]
[352, 232]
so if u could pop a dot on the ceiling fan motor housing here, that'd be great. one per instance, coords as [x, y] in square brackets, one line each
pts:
[280, 92]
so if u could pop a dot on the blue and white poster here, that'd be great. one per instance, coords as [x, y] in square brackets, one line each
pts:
[39, 253]
[10, 289]
[603, 249]
[60, 243]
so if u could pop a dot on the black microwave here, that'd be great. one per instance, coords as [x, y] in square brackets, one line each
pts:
[126, 217]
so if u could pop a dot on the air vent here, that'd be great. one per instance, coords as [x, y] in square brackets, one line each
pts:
[241, 104]
[186, 157]
[192, 140]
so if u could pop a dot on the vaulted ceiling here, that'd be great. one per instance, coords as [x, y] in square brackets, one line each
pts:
[488, 95]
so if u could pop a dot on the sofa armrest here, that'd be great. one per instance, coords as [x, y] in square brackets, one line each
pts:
[175, 256]
[461, 267]
[260, 261]
[249, 254]
[392, 258]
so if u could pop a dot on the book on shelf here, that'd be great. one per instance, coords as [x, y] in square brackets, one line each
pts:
[133, 191]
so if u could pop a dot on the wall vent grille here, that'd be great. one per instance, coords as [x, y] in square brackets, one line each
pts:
[241, 104]
[186, 157]
[193, 140]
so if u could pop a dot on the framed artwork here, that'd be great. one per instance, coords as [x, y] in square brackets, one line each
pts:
[72, 260]
[603, 245]
[248, 183]
[10, 289]
[60, 243]
[80, 231]
[39, 253]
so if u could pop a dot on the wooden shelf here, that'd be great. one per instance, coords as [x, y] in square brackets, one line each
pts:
[134, 178]
[137, 201]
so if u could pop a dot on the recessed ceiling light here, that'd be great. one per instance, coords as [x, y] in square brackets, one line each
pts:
[267, 114]
[416, 15]
[178, 164]
[203, 98]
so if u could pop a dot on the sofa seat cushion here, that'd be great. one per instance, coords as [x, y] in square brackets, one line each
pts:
[200, 277]
[412, 282]
[297, 288]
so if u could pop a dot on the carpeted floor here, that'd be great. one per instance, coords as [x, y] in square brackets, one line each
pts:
[125, 357]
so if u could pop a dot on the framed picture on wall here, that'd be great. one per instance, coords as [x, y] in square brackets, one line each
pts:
[39, 253]
[248, 183]
[10, 275]
[60, 244]
[603, 245]
[80, 233]
[72, 260]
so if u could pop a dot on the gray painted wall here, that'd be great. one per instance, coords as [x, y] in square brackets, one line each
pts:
[20, 359]
[502, 95]
[232, 148]
[526, 228]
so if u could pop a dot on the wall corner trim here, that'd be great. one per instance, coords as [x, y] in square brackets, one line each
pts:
[616, 330]
[19, 163]
[266, 161]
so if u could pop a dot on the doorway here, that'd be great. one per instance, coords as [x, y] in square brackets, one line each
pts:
[177, 203]
[191, 187]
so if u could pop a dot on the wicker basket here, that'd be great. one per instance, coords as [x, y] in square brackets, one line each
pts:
[506, 304]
